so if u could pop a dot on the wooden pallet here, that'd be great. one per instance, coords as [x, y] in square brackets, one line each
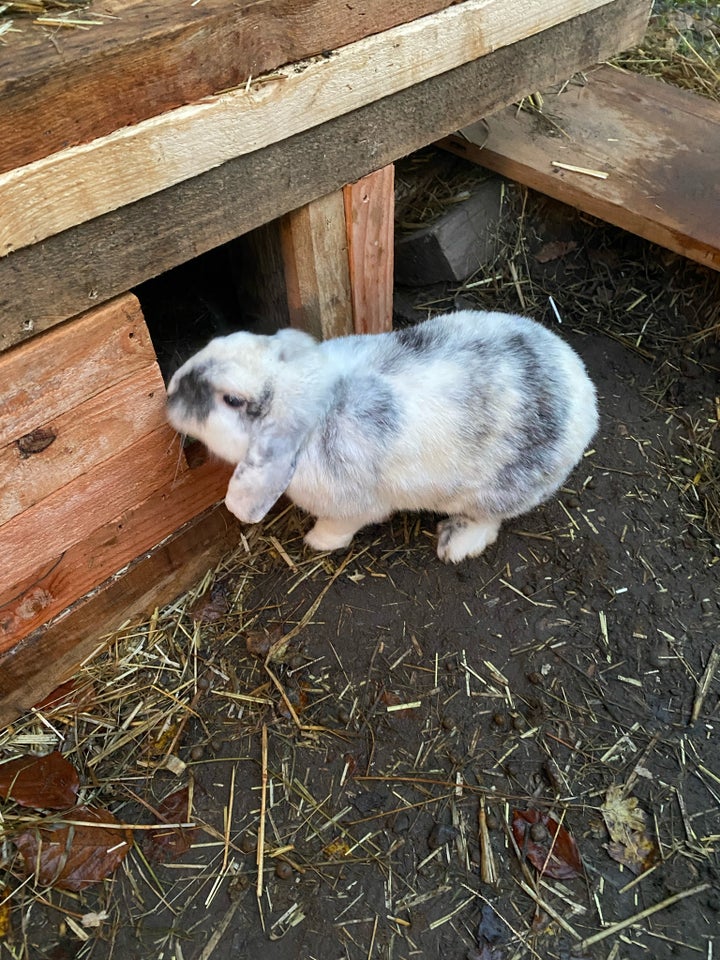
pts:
[653, 151]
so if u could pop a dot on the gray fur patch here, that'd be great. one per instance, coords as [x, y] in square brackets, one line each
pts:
[195, 393]
[419, 340]
[543, 421]
[363, 413]
[255, 409]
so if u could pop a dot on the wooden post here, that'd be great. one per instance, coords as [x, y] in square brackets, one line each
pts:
[314, 249]
[369, 212]
[338, 259]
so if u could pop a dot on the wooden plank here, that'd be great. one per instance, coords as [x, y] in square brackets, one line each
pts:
[59, 191]
[34, 667]
[101, 427]
[57, 584]
[42, 380]
[314, 249]
[125, 247]
[152, 56]
[369, 220]
[658, 146]
[72, 512]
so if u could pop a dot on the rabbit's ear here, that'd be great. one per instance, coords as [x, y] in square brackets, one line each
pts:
[264, 474]
[290, 343]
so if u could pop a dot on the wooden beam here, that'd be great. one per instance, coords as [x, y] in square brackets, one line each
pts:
[123, 248]
[34, 667]
[369, 221]
[57, 583]
[656, 147]
[314, 249]
[152, 56]
[80, 183]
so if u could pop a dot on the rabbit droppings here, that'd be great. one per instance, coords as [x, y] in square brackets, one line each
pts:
[478, 416]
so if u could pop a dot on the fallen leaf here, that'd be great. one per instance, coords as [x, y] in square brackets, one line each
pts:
[213, 604]
[336, 848]
[492, 928]
[47, 783]
[85, 848]
[626, 823]
[554, 250]
[297, 695]
[563, 863]
[169, 844]
[391, 699]
[68, 694]
[259, 642]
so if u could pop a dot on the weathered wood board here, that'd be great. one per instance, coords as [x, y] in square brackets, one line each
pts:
[105, 425]
[369, 221]
[76, 570]
[34, 667]
[80, 183]
[317, 278]
[112, 483]
[62, 88]
[40, 382]
[657, 146]
[125, 247]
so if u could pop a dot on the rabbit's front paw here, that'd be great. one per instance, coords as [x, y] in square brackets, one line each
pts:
[460, 537]
[329, 535]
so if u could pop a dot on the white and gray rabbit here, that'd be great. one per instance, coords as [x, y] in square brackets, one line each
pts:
[479, 416]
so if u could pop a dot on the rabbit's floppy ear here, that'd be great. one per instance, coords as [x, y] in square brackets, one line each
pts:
[265, 473]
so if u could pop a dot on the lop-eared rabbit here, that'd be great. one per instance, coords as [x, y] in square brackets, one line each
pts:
[477, 416]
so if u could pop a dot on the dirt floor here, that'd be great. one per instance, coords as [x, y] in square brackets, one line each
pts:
[517, 757]
[416, 710]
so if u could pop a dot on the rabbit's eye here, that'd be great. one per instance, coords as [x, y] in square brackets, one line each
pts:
[232, 401]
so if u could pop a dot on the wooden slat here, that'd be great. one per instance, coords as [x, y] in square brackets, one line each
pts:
[314, 249]
[80, 183]
[93, 431]
[84, 566]
[659, 147]
[34, 667]
[70, 513]
[153, 56]
[369, 219]
[123, 248]
[42, 380]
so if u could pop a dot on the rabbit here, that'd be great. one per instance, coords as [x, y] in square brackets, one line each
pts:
[477, 416]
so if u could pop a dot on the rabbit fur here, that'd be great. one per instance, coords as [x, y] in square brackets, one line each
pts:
[478, 416]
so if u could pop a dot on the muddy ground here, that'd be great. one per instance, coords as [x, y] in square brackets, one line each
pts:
[418, 702]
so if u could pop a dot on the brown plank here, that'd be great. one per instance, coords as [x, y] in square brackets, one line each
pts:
[93, 431]
[314, 250]
[155, 56]
[658, 145]
[123, 248]
[369, 220]
[43, 379]
[75, 572]
[34, 667]
[74, 185]
[70, 513]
